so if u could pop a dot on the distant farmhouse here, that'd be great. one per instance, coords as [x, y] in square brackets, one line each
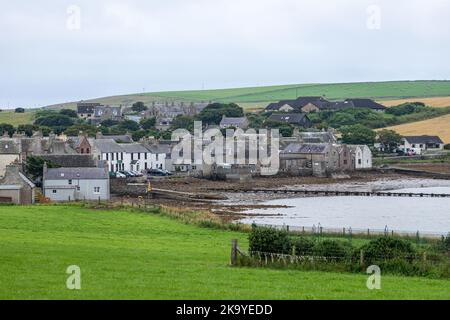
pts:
[96, 112]
[315, 104]
[421, 144]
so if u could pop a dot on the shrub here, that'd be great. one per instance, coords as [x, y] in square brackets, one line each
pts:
[303, 246]
[331, 249]
[447, 147]
[387, 248]
[269, 240]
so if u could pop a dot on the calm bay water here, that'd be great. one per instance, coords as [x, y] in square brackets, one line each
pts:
[402, 214]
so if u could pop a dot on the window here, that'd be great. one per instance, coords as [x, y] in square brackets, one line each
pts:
[139, 156]
[78, 188]
[132, 156]
[82, 150]
[87, 150]
[359, 161]
[70, 182]
[112, 156]
[107, 156]
[156, 157]
[145, 155]
[96, 189]
[53, 191]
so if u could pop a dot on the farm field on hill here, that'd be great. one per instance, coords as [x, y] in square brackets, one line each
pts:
[437, 126]
[129, 255]
[16, 118]
[266, 94]
[437, 102]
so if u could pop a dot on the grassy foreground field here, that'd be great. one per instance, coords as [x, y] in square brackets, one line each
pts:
[126, 255]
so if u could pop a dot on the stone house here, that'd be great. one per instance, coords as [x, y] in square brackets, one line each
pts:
[9, 153]
[240, 122]
[69, 184]
[361, 157]
[15, 187]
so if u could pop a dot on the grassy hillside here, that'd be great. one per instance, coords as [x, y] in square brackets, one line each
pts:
[437, 127]
[16, 118]
[145, 256]
[262, 95]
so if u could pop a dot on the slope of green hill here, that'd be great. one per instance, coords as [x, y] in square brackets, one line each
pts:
[258, 96]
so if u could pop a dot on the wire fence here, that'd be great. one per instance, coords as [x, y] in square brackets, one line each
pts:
[348, 232]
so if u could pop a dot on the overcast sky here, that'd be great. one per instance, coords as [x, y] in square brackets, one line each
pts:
[57, 51]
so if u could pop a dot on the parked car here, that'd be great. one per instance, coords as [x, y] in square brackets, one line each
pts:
[120, 175]
[157, 172]
[127, 174]
[136, 173]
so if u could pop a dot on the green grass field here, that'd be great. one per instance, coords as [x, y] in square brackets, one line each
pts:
[16, 118]
[129, 255]
[259, 96]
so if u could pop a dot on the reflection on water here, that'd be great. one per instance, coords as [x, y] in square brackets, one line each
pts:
[405, 214]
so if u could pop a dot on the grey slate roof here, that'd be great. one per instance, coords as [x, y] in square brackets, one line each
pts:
[9, 147]
[424, 139]
[76, 173]
[366, 103]
[288, 117]
[107, 146]
[233, 121]
[305, 148]
[118, 138]
[134, 148]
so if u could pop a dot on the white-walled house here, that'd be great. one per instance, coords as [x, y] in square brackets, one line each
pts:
[111, 152]
[421, 144]
[361, 156]
[139, 157]
[128, 156]
[69, 184]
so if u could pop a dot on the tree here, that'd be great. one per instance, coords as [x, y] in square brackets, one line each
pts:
[357, 134]
[27, 129]
[138, 107]
[138, 135]
[109, 123]
[35, 166]
[148, 123]
[58, 122]
[389, 139]
[213, 113]
[6, 127]
[69, 112]
[74, 130]
[340, 119]
[129, 125]
[19, 110]
[183, 122]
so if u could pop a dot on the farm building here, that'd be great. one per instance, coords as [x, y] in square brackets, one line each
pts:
[15, 187]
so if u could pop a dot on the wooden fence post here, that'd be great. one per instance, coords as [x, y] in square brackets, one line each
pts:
[234, 252]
